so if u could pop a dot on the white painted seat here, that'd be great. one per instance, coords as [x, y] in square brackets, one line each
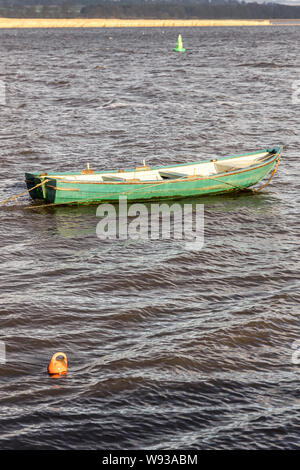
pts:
[112, 178]
[172, 175]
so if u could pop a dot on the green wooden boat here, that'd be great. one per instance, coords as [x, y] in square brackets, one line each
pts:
[215, 176]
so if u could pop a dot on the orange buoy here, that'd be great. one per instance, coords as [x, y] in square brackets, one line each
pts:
[58, 365]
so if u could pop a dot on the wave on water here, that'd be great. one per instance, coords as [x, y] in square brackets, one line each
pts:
[167, 348]
[115, 104]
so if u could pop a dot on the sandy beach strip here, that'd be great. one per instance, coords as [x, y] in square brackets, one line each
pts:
[119, 23]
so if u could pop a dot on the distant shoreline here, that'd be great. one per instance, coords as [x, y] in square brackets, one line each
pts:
[133, 23]
[119, 23]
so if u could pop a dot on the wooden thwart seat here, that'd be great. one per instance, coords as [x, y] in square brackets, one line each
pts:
[118, 179]
[112, 178]
[171, 175]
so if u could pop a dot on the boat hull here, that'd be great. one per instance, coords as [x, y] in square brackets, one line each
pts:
[60, 191]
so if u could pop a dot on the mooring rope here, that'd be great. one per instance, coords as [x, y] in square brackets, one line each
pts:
[271, 176]
[179, 180]
[219, 180]
[24, 192]
[123, 193]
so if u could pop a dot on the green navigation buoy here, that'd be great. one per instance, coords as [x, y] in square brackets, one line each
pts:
[179, 47]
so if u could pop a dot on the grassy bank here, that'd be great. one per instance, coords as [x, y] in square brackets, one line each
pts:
[119, 23]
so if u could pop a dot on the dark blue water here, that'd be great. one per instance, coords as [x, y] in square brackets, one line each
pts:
[168, 348]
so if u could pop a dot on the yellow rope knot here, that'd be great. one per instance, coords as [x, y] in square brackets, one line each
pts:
[271, 176]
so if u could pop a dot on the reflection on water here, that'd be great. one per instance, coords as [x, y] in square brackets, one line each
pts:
[80, 220]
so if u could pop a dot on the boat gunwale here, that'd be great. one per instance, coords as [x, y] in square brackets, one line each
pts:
[56, 175]
[178, 180]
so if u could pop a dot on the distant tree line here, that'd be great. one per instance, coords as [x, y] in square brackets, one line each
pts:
[168, 9]
[204, 10]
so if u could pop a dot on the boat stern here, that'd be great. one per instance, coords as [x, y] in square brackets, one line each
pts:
[32, 180]
[37, 189]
